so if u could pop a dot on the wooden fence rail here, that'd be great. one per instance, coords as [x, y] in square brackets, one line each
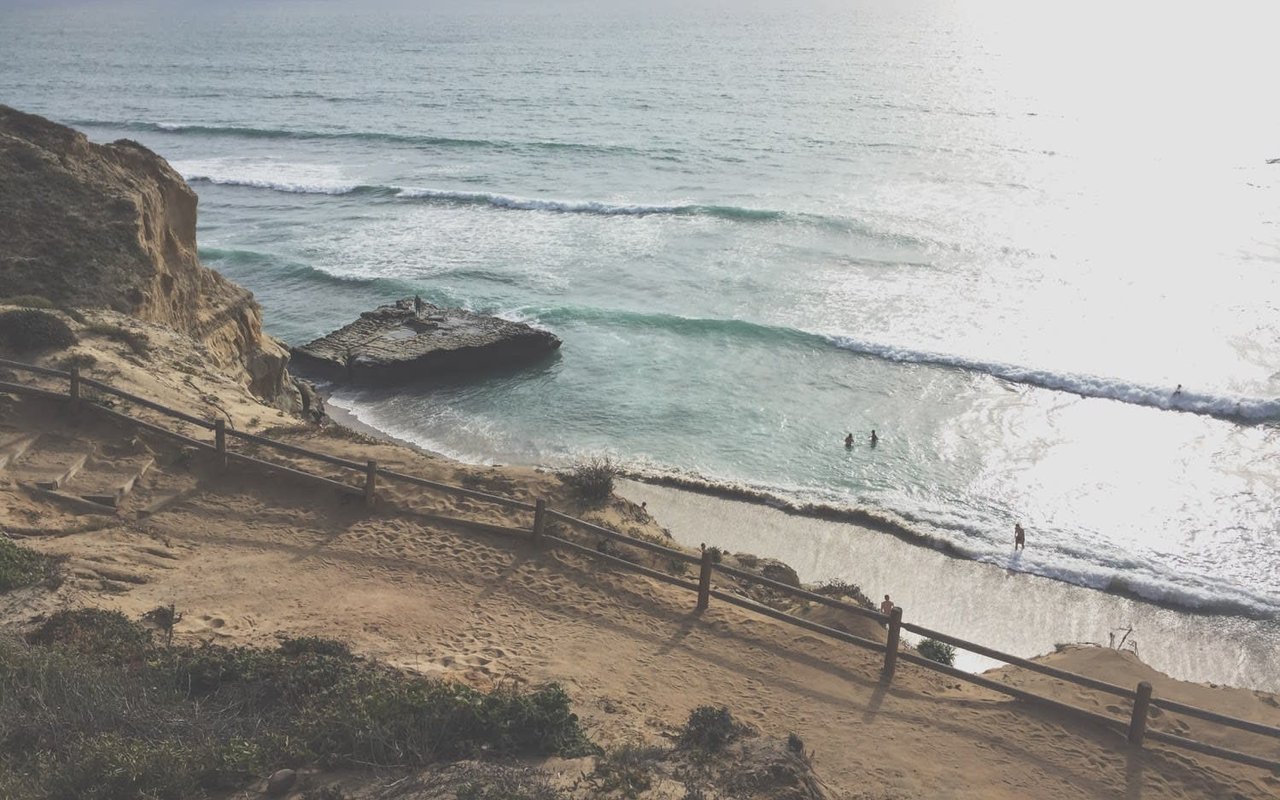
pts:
[142, 401]
[653, 547]
[458, 490]
[1083, 680]
[803, 594]
[1140, 697]
[1221, 719]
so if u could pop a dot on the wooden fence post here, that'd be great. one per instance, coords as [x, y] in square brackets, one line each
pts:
[74, 390]
[891, 646]
[220, 441]
[539, 519]
[704, 580]
[1138, 725]
[371, 483]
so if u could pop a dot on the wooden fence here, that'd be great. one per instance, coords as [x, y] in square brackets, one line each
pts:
[1140, 697]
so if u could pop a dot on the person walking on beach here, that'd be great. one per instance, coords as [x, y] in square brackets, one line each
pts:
[848, 440]
[874, 438]
[886, 607]
[1019, 537]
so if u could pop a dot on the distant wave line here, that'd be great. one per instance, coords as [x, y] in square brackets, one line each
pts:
[515, 203]
[1233, 407]
[415, 140]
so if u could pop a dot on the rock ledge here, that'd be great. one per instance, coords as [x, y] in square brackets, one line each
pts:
[412, 340]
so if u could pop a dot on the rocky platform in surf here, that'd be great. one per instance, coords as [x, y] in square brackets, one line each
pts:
[412, 340]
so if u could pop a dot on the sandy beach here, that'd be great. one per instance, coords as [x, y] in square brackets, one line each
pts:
[1025, 615]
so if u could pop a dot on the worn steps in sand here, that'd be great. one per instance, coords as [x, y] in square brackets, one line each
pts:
[50, 462]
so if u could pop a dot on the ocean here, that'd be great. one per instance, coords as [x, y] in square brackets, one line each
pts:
[1035, 248]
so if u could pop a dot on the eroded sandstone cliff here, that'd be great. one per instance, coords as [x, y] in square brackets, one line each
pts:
[90, 225]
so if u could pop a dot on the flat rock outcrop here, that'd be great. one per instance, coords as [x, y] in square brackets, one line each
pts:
[412, 340]
[114, 226]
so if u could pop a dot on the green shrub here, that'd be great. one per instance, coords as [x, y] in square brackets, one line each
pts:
[843, 590]
[314, 645]
[21, 566]
[710, 729]
[81, 361]
[103, 635]
[934, 650]
[592, 480]
[137, 341]
[92, 707]
[32, 330]
[28, 301]
[626, 770]
[501, 782]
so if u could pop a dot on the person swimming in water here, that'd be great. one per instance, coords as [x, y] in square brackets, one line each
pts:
[848, 440]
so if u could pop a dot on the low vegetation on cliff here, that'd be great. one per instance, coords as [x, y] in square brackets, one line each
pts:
[20, 566]
[30, 330]
[91, 706]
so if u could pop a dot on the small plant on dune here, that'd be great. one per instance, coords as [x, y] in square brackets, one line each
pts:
[316, 645]
[501, 782]
[137, 341]
[81, 361]
[32, 330]
[710, 729]
[20, 566]
[28, 301]
[626, 770]
[934, 650]
[843, 590]
[592, 479]
[164, 618]
[103, 635]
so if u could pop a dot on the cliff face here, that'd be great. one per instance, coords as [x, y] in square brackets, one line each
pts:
[114, 226]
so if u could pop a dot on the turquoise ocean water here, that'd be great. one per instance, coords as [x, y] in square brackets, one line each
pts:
[1001, 236]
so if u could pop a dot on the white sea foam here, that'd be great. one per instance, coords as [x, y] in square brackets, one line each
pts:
[1238, 407]
[293, 178]
[301, 179]
[292, 188]
[533, 204]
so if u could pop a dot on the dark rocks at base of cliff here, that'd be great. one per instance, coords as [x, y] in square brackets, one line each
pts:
[411, 340]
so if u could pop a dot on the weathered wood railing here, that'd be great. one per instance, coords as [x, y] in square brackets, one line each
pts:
[1140, 697]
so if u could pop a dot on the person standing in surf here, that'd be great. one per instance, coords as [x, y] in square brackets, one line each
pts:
[848, 440]
[874, 438]
[1019, 537]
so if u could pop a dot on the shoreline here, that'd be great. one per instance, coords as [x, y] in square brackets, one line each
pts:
[938, 587]
[1160, 590]
[1019, 613]
[885, 523]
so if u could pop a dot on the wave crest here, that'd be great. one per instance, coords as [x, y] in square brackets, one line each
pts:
[404, 139]
[1233, 407]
